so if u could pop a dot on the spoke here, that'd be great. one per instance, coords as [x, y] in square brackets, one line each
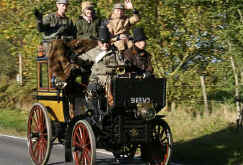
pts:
[36, 152]
[77, 144]
[35, 125]
[43, 146]
[41, 121]
[39, 156]
[87, 145]
[86, 136]
[82, 132]
[87, 157]
[82, 158]
[37, 114]
[38, 119]
[81, 145]
[77, 139]
[76, 158]
[36, 147]
[44, 150]
[86, 150]
[41, 153]
[35, 118]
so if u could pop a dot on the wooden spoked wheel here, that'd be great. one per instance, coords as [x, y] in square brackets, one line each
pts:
[160, 150]
[83, 143]
[39, 134]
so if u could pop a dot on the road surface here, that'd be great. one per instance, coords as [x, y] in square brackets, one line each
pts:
[13, 151]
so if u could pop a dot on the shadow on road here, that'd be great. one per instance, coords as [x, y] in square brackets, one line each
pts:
[220, 148]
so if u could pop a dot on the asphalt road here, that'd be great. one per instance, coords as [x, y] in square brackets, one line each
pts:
[13, 151]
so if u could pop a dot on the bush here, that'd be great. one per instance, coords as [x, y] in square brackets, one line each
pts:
[12, 95]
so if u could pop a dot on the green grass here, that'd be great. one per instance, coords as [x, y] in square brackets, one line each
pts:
[206, 140]
[13, 122]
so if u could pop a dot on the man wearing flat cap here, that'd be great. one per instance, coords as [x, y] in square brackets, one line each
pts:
[56, 25]
[119, 25]
[87, 24]
[137, 58]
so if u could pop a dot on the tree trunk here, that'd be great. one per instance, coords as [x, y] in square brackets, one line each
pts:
[236, 86]
[241, 78]
[205, 99]
[20, 70]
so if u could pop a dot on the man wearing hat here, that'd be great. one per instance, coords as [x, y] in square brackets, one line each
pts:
[119, 25]
[136, 58]
[100, 70]
[56, 25]
[87, 24]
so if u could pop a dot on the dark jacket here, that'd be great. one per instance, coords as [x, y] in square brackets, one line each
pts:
[86, 30]
[55, 26]
[138, 60]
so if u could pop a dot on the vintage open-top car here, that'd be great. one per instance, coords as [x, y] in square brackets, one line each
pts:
[125, 122]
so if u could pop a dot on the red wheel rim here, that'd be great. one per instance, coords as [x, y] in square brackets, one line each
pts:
[81, 145]
[37, 135]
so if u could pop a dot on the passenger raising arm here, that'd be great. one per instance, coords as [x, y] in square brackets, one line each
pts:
[119, 24]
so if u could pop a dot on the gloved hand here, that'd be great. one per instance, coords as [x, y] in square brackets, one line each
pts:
[38, 14]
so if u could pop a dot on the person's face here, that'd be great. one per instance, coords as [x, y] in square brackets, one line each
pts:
[118, 13]
[62, 8]
[88, 12]
[140, 44]
[103, 46]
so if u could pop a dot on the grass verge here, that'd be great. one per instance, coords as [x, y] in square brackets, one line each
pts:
[206, 140]
[13, 122]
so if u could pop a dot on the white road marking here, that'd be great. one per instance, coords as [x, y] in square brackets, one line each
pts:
[13, 137]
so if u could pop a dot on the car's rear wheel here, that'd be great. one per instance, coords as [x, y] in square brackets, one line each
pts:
[159, 151]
